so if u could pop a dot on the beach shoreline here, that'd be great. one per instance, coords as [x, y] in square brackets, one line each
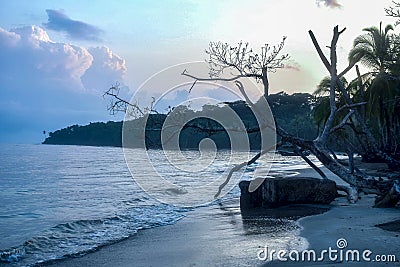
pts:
[356, 226]
[215, 235]
[218, 236]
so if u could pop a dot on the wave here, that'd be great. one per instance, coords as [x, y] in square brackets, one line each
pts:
[82, 236]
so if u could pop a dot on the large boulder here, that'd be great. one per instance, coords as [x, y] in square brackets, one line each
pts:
[276, 192]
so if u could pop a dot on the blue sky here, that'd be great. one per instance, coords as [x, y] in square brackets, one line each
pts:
[58, 57]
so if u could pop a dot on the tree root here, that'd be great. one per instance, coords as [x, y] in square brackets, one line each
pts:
[391, 198]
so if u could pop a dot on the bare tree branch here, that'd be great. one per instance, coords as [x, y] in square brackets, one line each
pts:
[322, 138]
[319, 51]
[234, 78]
[325, 60]
[118, 104]
[343, 122]
[394, 11]
[309, 162]
[242, 61]
[241, 165]
[351, 106]
[349, 67]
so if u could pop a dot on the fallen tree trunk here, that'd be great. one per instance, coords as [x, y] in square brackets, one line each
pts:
[386, 190]
[352, 192]
[357, 180]
[365, 136]
[391, 198]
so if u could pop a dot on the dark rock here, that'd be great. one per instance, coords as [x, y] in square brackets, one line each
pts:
[393, 226]
[276, 192]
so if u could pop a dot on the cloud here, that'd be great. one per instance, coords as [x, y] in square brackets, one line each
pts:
[329, 3]
[293, 65]
[75, 29]
[106, 69]
[46, 85]
[8, 39]
[28, 52]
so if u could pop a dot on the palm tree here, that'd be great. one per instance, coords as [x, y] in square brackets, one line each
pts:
[374, 49]
[321, 110]
[378, 50]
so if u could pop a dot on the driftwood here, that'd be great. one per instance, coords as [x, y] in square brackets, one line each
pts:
[352, 192]
[391, 198]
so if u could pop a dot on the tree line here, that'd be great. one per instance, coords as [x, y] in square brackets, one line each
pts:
[294, 112]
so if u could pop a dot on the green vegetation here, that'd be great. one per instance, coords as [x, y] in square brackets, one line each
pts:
[93, 134]
[292, 112]
[378, 89]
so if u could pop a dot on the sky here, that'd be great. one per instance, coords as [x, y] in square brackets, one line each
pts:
[57, 58]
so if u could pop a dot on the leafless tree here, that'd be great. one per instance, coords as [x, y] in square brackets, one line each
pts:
[394, 11]
[241, 61]
[118, 104]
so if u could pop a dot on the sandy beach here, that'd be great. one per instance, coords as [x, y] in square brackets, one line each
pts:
[219, 236]
[356, 224]
[209, 236]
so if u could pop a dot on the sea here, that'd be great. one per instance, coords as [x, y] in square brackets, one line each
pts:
[65, 201]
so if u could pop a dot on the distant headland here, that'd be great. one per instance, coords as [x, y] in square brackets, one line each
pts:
[294, 112]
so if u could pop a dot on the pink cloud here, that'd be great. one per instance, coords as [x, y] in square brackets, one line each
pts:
[329, 3]
[293, 66]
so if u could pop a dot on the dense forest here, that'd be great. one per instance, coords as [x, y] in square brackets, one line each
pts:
[294, 112]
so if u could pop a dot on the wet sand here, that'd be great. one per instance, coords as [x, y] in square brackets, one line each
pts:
[209, 236]
[219, 236]
[356, 223]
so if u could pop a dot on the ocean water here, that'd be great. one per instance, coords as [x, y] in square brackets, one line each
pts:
[61, 201]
